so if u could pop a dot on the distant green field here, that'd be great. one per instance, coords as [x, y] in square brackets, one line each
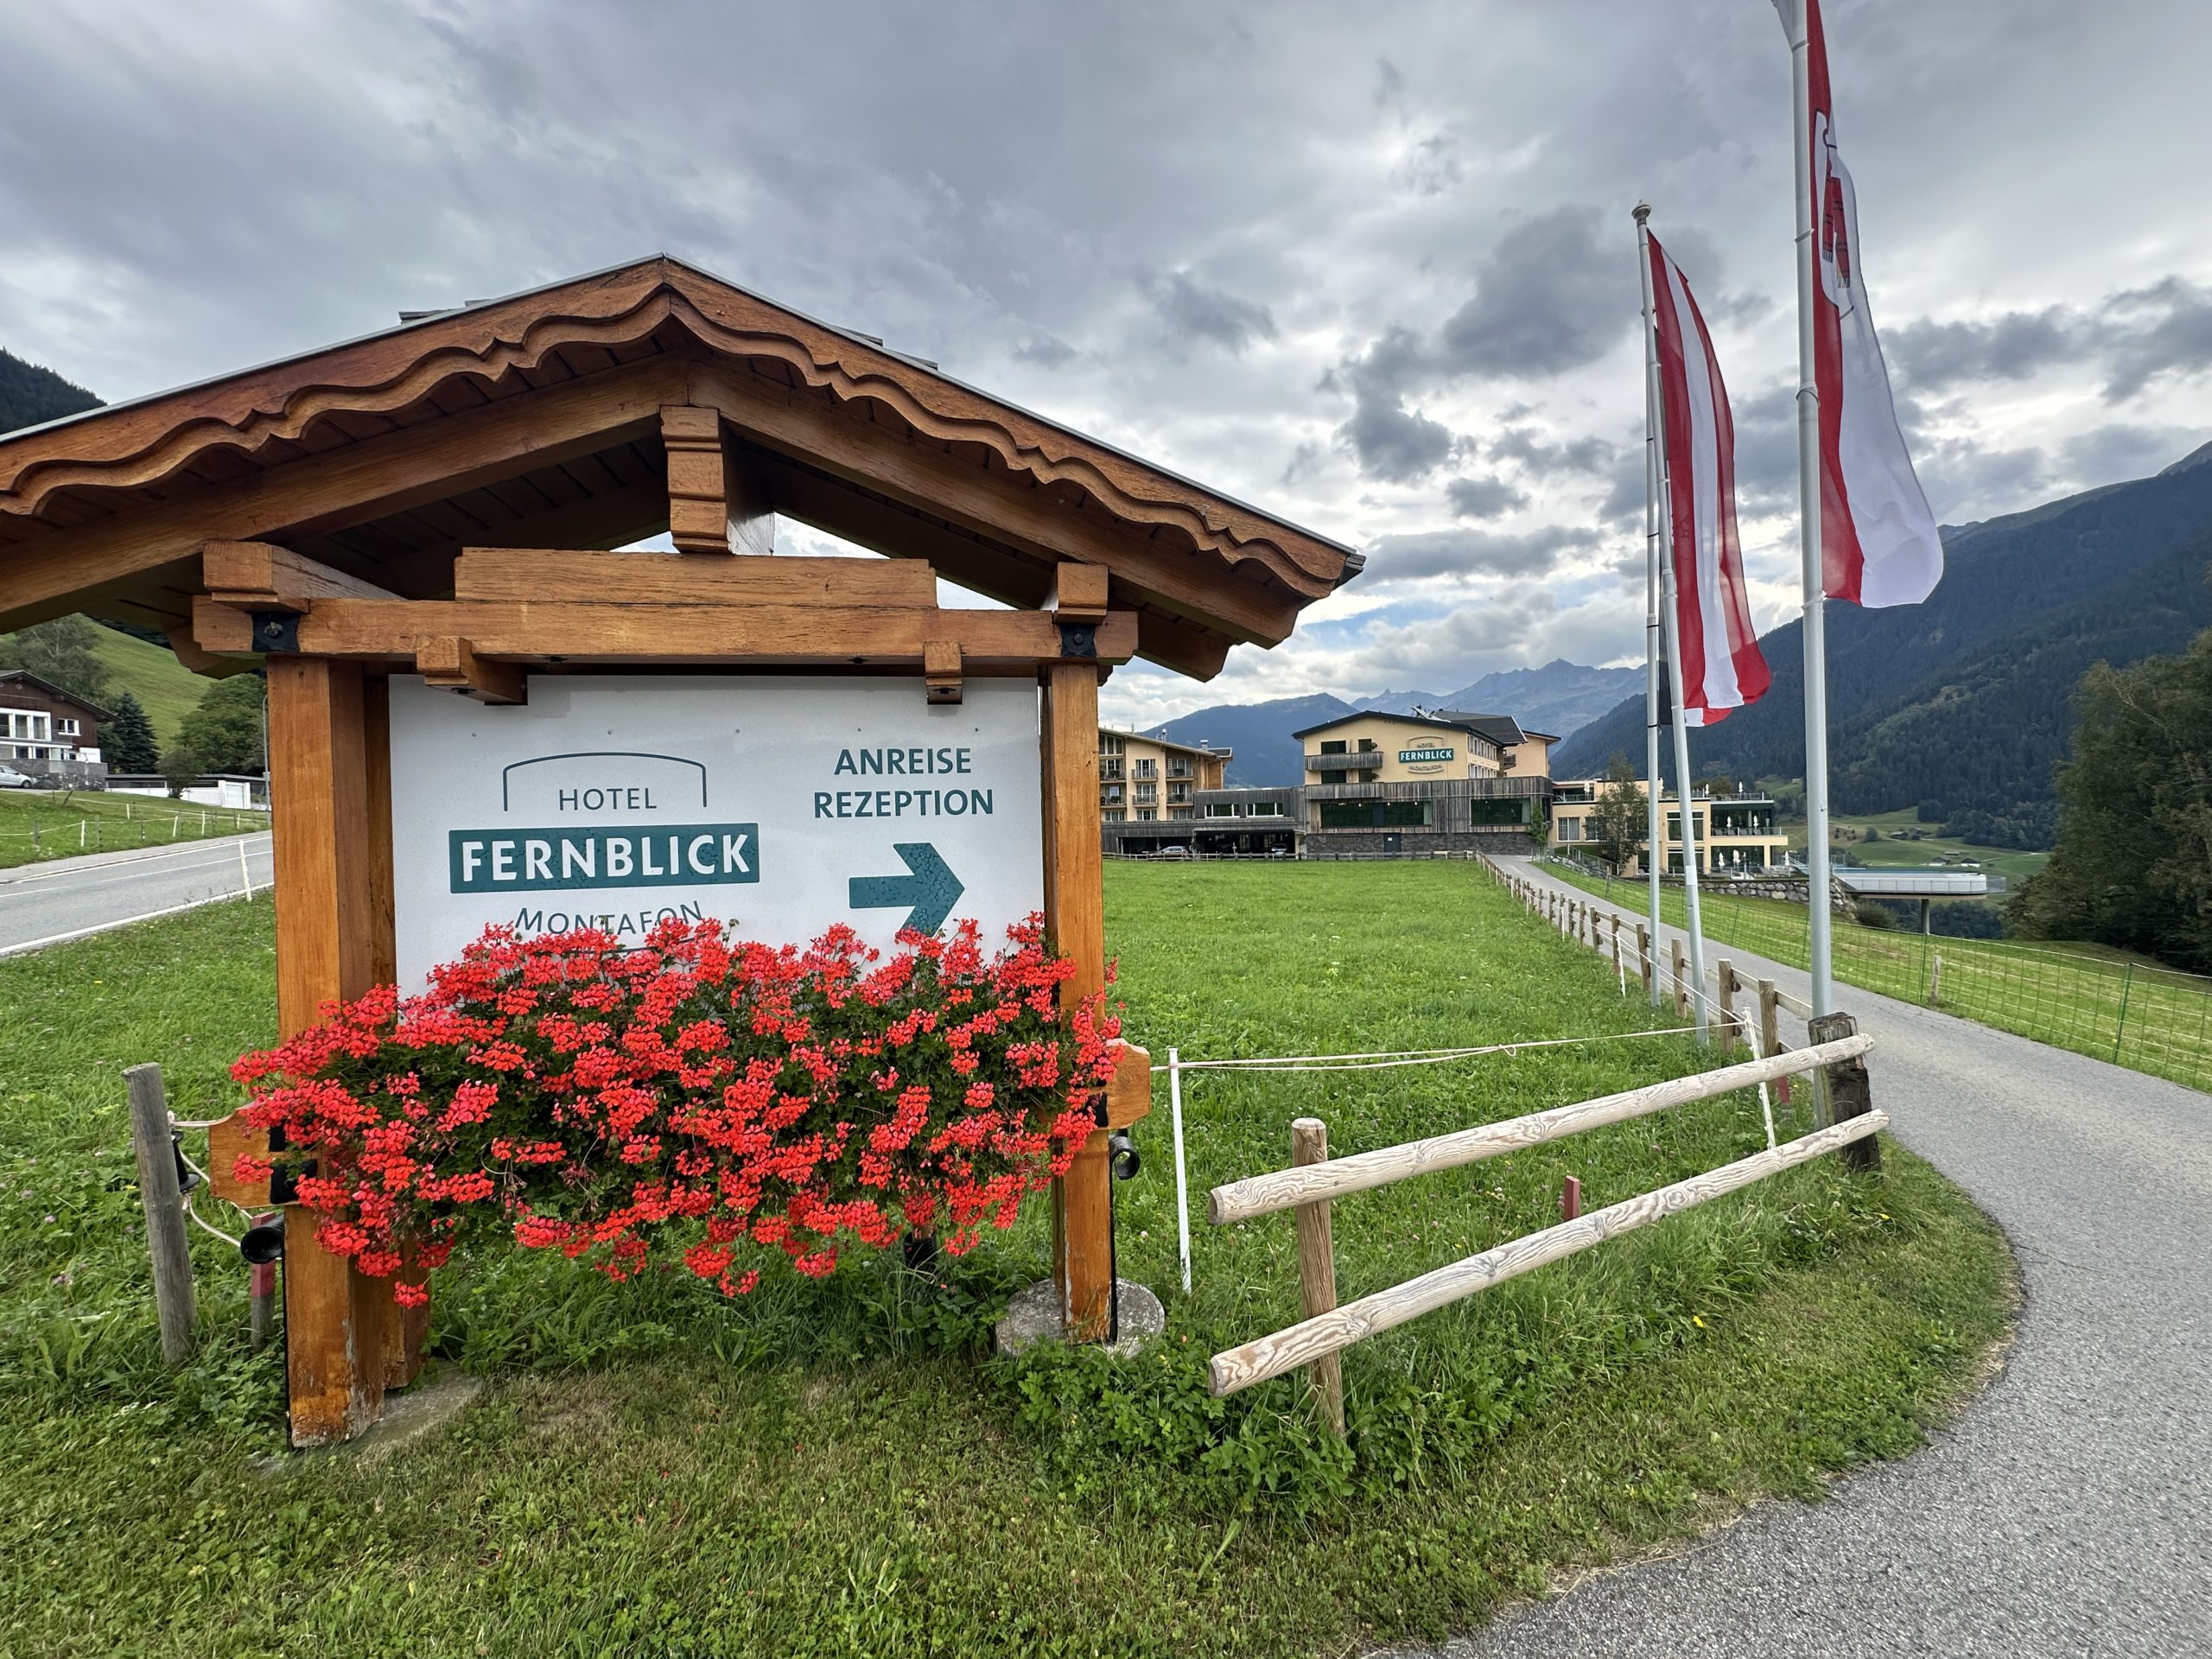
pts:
[2109, 1004]
[38, 824]
[1889, 853]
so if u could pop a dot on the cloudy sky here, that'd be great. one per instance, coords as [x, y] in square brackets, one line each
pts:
[1371, 267]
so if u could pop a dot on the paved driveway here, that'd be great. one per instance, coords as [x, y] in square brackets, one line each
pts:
[2070, 1510]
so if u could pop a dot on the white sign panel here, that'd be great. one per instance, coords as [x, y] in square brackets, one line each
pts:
[777, 806]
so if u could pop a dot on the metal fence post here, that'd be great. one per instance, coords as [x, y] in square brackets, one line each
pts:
[2126, 984]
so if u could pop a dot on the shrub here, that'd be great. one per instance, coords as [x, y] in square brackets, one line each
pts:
[695, 1097]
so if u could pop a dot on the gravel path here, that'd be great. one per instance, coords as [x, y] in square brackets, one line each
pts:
[2070, 1510]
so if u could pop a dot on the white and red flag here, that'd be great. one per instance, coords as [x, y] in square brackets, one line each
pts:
[1722, 668]
[1878, 545]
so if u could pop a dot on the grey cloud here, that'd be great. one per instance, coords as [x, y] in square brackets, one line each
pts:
[1552, 294]
[2160, 330]
[1193, 310]
[2012, 347]
[2110, 453]
[1484, 498]
[1539, 454]
[2136, 337]
[1045, 351]
[1420, 555]
[1459, 646]
[1391, 442]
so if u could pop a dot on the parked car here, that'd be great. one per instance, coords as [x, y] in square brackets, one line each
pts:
[10, 779]
[1174, 852]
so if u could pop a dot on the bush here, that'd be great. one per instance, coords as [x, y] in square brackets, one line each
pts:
[1871, 913]
[707, 1097]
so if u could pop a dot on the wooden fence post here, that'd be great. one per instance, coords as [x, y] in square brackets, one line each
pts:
[1643, 955]
[1771, 1032]
[1936, 982]
[1681, 983]
[1848, 1087]
[1616, 938]
[1727, 982]
[1316, 1270]
[164, 1205]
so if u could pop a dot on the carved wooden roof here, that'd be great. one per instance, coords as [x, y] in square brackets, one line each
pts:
[535, 421]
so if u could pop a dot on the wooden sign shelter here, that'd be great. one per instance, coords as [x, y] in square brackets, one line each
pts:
[439, 499]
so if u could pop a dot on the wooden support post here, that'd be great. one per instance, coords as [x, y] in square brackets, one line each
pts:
[338, 1323]
[452, 664]
[1643, 955]
[1727, 979]
[1083, 1215]
[714, 504]
[941, 669]
[1849, 1089]
[1681, 983]
[1616, 938]
[1316, 1270]
[1770, 1032]
[163, 1203]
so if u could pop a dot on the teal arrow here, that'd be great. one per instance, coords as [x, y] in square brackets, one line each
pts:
[932, 890]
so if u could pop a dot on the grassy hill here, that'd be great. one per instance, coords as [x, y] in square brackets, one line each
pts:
[166, 687]
[1964, 701]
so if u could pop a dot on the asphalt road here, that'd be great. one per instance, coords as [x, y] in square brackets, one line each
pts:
[45, 903]
[2069, 1511]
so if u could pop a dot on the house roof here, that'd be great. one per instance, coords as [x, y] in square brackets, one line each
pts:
[1441, 722]
[1169, 743]
[533, 420]
[23, 675]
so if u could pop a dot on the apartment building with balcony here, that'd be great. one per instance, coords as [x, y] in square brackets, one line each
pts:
[1150, 780]
[1737, 833]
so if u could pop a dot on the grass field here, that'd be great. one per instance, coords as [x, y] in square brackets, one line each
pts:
[834, 1469]
[39, 824]
[2108, 1004]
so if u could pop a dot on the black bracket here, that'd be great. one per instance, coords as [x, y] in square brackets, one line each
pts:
[1121, 1155]
[284, 1184]
[1078, 639]
[185, 1180]
[276, 631]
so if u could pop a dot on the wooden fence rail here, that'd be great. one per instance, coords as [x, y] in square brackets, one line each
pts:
[1286, 1189]
[1326, 1334]
[1315, 1181]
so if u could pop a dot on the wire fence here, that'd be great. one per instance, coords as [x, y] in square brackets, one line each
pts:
[2147, 1018]
[33, 837]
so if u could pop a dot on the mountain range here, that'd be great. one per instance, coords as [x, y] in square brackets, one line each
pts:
[1558, 698]
[1961, 705]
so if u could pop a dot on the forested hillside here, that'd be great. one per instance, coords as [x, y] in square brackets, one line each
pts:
[1962, 701]
[30, 395]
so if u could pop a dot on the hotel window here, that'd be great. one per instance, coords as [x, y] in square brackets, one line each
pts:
[68, 728]
[1220, 810]
[1570, 828]
[1264, 810]
[1146, 815]
[1336, 748]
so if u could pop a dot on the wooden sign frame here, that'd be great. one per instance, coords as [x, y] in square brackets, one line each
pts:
[329, 643]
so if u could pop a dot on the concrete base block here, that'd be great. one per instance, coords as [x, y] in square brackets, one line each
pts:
[1035, 1316]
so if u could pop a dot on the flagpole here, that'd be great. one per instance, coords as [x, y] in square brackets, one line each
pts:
[1817, 881]
[1654, 843]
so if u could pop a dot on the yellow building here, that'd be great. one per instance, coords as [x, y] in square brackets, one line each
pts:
[1149, 779]
[1734, 832]
[1379, 783]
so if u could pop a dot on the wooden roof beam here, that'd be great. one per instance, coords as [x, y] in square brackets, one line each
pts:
[985, 568]
[345, 486]
[932, 480]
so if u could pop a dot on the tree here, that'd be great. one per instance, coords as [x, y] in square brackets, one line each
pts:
[2133, 863]
[1618, 828]
[224, 731]
[62, 652]
[127, 742]
[180, 768]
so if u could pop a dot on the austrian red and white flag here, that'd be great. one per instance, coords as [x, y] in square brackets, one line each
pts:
[1878, 545]
[1722, 668]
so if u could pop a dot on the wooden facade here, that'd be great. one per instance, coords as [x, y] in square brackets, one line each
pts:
[440, 499]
